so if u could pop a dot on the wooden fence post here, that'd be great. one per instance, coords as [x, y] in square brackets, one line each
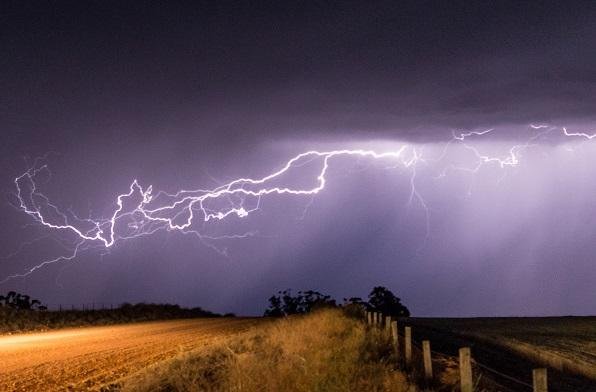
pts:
[539, 380]
[368, 319]
[408, 347]
[465, 370]
[428, 364]
[388, 324]
[395, 337]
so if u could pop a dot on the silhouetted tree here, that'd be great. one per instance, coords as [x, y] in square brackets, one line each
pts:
[275, 307]
[354, 307]
[314, 300]
[383, 300]
[285, 303]
[20, 302]
[291, 304]
[355, 301]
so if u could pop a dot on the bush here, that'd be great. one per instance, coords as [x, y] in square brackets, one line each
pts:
[354, 310]
[285, 304]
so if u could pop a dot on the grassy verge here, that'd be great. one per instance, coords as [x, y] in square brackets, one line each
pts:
[13, 320]
[323, 351]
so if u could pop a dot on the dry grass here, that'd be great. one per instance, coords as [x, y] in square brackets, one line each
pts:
[324, 351]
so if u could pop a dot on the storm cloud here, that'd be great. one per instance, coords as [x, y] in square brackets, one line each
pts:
[192, 95]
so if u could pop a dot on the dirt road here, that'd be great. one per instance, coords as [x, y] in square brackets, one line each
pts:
[92, 357]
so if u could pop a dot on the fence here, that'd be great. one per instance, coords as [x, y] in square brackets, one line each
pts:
[418, 360]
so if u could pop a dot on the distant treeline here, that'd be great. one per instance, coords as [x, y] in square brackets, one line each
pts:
[18, 301]
[17, 316]
[380, 299]
[19, 312]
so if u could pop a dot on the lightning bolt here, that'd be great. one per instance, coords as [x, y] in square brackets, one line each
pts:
[140, 212]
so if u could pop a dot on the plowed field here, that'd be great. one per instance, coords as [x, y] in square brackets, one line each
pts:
[93, 357]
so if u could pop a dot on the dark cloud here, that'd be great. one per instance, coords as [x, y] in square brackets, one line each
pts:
[185, 94]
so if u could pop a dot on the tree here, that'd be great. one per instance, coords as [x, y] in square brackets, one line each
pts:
[355, 307]
[314, 300]
[275, 307]
[20, 301]
[383, 300]
[285, 303]
[355, 301]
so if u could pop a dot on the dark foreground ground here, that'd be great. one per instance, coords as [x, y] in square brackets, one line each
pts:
[514, 346]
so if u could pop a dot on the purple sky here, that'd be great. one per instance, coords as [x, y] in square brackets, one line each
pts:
[190, 95]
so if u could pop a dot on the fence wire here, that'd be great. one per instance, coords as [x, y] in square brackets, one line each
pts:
[436, 354]
[482, 366]
[510, 378]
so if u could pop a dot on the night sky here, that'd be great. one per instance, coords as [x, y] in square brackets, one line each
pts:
[192, 95]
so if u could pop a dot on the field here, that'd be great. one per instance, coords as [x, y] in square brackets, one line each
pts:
[95, 357]
[327, 350]
[566, 345]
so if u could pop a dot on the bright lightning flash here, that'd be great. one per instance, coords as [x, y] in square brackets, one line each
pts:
[140, 211]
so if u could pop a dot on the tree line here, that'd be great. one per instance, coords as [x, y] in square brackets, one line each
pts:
[19, 301]
[380, 299]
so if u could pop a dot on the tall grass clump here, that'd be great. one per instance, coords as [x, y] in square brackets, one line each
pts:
[322, 351]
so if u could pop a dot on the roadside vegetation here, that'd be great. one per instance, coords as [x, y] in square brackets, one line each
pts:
[326, 350]
[19, 313]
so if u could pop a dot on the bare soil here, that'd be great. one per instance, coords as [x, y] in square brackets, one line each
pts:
[94, 357]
